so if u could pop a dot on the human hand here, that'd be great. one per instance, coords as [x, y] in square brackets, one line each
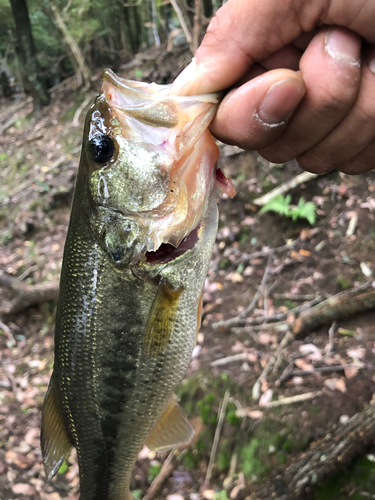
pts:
[298, 90]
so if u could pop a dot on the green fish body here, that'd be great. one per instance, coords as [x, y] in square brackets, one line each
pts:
[140, 238]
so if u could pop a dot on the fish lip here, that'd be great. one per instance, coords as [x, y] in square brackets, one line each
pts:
[167, 252]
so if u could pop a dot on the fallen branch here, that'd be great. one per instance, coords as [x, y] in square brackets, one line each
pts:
[255, 393]
[222, 410]
[321, 461]
[292, 399]
[284, 188]
[165, 472]
[28, 295]
[242, 356]
[322, 369]
[238, 319]
[77, 114]
[342, 305]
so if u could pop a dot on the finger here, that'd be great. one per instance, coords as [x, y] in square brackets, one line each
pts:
[331, 71]
[353, 134]
[256, 113]
[364, 162]
[247, 31]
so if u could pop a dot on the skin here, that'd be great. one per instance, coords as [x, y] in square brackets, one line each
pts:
[301, 75]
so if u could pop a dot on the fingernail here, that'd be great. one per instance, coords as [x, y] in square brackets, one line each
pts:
[280, 100]
[184, 77]
[343, 45]
[371, 63]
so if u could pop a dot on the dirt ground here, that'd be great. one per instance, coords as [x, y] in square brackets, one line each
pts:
[38, 162]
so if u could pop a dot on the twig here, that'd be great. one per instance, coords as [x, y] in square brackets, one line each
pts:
[166, 470]
[292, 399]
[285, 341]
[242, 356]
[9, 334]
[182, 20]
[220, 422]
[270, 363]
[331, 338]
[79, 110]
[285, 187]
[238, 319]
[265, 253]
[263, 320]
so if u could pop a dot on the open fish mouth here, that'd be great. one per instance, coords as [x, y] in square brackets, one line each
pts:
[167, 252]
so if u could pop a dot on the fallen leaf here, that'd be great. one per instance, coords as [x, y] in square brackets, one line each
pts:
[303, 365]
[255, 414]
[265, 398]
[358, 353]
[350, 372]
[311, 351]
[335, 384]
[209, 494]
[23, 489]
[234, 277]
[305, 234]
[304, 253]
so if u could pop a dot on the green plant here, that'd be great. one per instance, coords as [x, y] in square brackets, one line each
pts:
[222, 495]
[281, 205]
[153, 472]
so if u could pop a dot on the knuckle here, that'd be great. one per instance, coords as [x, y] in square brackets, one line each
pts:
[314, 163]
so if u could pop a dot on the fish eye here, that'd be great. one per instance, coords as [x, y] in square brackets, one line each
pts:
[101, 148]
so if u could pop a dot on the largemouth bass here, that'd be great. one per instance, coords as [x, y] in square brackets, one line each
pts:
[140, 238]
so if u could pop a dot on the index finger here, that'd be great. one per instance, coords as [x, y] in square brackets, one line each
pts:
[247, 31]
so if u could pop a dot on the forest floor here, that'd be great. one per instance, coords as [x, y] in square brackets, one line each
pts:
[39, 159]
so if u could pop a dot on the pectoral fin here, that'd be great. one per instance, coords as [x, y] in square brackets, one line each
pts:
[55, 442]
[171, 430]
[161, 320]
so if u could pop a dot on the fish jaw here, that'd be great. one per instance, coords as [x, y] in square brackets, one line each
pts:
[163, 171]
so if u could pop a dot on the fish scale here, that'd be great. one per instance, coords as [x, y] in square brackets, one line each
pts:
[126, 318]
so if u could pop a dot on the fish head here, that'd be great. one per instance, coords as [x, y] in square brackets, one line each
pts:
[149, 163]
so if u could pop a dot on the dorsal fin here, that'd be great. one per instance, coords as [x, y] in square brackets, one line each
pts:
[171, 430]
[55, 442]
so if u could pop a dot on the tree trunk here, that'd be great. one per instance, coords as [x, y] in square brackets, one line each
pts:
[72, 44]
[32, 80]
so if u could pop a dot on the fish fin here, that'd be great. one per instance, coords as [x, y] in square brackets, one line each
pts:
[161, 320]
[171, 430]
[55, 442]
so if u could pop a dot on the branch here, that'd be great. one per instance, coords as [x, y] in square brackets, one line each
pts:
[28, 295]
[321, 461]
[284, 188]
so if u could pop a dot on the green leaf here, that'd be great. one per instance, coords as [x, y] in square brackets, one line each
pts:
[278, 204]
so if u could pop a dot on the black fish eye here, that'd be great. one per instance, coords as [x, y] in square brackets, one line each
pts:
[101, 148]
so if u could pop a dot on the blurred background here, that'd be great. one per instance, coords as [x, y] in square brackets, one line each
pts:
[281, 361]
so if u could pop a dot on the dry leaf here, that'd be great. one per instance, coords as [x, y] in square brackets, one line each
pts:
[311, 352]
[350, 372]
[358, 353]
[255, 414]
[234, 277]
[304, 253]
[335, 384]
[305, 234]
[23, 489]
[209, 494]
[303, 365]
[265, 398]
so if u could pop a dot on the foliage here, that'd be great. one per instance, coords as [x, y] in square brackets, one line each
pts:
[281, 205]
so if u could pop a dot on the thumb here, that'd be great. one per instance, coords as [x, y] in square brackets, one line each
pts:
[247, 31]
